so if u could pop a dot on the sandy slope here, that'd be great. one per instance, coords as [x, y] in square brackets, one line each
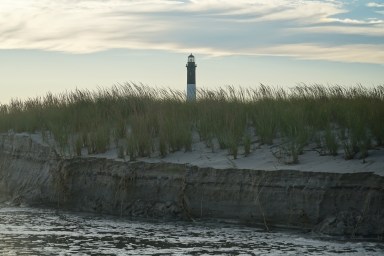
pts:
[261, 158]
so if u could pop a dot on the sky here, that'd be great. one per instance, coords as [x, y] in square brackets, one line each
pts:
[63, 45]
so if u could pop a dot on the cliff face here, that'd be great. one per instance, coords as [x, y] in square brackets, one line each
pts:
[330, 203]
[26, 169]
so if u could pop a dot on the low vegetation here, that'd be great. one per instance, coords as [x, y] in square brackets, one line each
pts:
[141, 121]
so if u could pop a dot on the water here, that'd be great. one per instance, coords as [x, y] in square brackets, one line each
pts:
[26, 231]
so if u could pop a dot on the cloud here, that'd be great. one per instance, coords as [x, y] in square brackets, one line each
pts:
[211, 27]
[375, 5]
[356, 21]
[376, 30]
[346, 53]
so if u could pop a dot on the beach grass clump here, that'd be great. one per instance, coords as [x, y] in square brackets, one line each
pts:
[247, 142]
[222, 115]
[331, 141]
[140, 121]
[140, 138]
[175, 127]
[295, 133]
[265, 121]
[265, 112]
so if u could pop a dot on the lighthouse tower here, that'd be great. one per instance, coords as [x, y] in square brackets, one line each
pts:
[191, 78]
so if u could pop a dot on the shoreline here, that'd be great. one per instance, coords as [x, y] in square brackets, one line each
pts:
[4, 207]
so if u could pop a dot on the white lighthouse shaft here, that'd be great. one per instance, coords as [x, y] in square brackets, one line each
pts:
[191, 92]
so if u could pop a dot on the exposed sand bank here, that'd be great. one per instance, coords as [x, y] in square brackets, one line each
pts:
[325, 201]
[262, 157]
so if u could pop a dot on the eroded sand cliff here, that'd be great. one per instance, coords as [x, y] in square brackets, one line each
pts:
[331, 203]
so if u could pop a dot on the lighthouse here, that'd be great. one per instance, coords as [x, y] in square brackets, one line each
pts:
[191, 78]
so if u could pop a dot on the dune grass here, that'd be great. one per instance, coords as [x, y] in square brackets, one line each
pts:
[141, 121]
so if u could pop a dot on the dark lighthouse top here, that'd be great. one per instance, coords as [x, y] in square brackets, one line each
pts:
[191, 70]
